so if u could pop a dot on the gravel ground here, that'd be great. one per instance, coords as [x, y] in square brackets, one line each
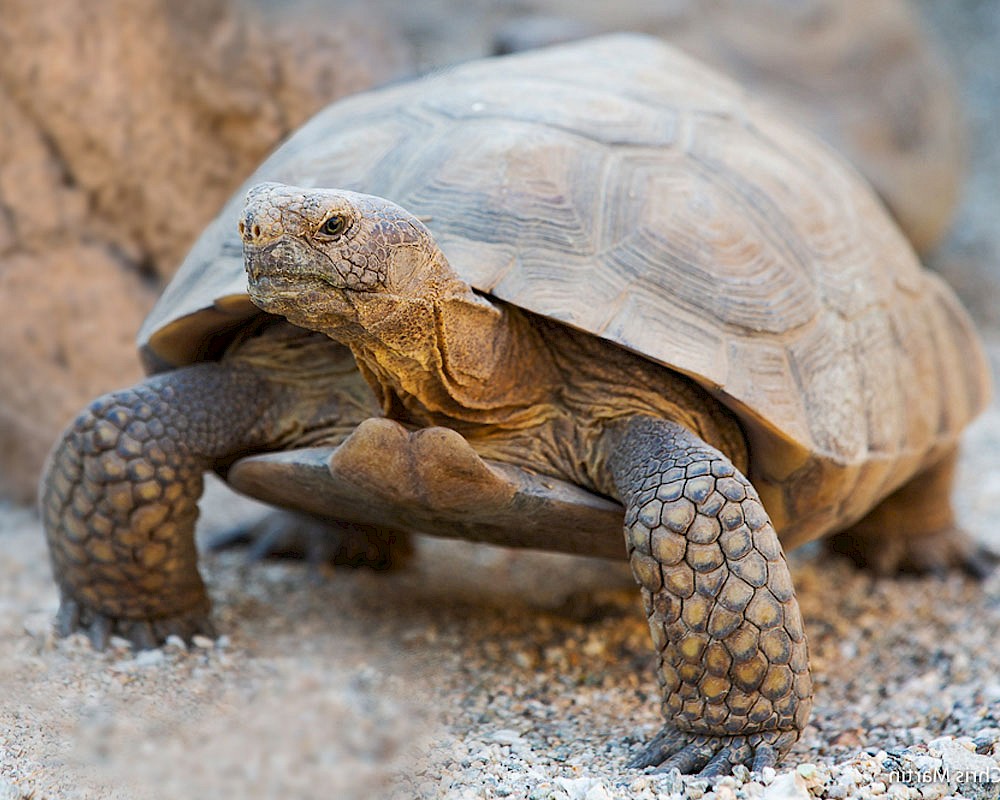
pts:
[475, 672]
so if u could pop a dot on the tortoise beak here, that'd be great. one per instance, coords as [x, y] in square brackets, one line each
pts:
[284, 263]
[275, 260]
[251, 263]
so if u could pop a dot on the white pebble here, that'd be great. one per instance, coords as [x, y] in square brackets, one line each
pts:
[787, 786]
[149, 658]
[8, 791]
[959, 759]
[505, 736]
[753, 789]
[933, 791]
[723, 792]
[597, 792]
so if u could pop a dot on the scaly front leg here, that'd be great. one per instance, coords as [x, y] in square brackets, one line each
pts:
[722, 611]
[120, 491]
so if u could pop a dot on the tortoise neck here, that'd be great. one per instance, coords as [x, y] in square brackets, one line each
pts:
[458, 357]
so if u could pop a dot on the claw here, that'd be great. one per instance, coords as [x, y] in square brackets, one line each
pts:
[68, 617]
[763, 757]
[99, 631]
[721, 764]
[664, 744]
[205, 627]
[182, 627]
[711, 755]
[141, 635]
[238, 536]
[691, 759]
[980, 564]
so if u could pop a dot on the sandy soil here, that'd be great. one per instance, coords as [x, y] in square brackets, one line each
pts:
[476, 672]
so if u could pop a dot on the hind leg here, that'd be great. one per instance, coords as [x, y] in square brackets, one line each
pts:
[914, 530]
[317, 540]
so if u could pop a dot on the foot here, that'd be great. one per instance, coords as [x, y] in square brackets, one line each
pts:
[318, 541]
[914, 530]
[708, 755]
[925, 553]
[74, 616]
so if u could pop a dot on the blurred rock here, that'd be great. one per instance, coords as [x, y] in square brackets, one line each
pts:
[970, 257]
[122, 131]
[61, 347]
[157, 109]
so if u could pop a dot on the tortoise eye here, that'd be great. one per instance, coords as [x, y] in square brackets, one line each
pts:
[334, 226]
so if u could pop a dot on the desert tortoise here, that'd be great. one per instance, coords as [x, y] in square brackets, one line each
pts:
[588, 273]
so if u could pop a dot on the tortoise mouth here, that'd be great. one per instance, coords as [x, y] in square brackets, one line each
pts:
[280, 266]
[283, 280]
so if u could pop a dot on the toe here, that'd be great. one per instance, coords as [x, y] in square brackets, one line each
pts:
[68, 617]
[665, 744]
[693, 757]
[980, 563]
[141, 635]
[720, 764]
[764, 756]
[99, 631]
[710, 756]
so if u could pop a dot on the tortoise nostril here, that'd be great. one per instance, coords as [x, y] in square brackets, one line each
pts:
[242, 228]
[256, 231]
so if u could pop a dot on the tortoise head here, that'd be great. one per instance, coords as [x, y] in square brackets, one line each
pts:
[337, 261]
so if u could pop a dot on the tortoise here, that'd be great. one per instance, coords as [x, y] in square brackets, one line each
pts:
[586, 284]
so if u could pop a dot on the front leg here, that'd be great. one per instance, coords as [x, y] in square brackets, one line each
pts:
[733, 662]
[119, 499]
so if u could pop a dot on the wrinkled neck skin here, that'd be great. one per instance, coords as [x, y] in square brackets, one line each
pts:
[446, 356]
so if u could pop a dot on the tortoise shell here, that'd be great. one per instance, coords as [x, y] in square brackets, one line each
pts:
[865, 77]
[626, 190]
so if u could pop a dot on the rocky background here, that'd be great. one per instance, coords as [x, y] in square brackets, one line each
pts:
[474, 672]
[121, 134]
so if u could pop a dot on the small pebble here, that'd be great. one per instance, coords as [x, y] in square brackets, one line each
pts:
[597, 792]
[723, 792]
[505, 736]
[149, 658]
[8, 791]
[787, 786]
